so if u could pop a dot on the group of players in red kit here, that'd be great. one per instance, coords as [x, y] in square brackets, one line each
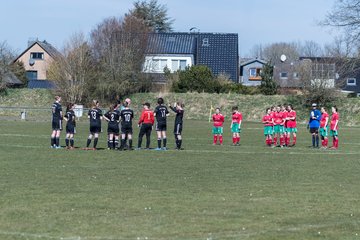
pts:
[280, 126]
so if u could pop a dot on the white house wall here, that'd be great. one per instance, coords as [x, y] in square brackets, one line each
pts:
[150, 65]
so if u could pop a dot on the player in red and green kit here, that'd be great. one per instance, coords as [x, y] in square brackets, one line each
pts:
[235, 126]
[279, 121]
[290, 126]
[334, 126]
[267, 120]
[324, 127]
[285, 113]
[217, 130]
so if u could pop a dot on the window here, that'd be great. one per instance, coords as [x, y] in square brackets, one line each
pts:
[31, 75]
[351, 82]
[178, 65]
[158, 65]
[296, 75]
[205, 42]
[283, 75]
[255, 73]
[37, 55]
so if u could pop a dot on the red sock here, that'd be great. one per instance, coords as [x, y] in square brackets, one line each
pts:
[238, 140]
[285, 139]
[337, 143]
[221, 139]
[326, 141]
[215, 139]
[294, 140]
[281, 141]
[288, 141]
[323, 143]
[275, 140]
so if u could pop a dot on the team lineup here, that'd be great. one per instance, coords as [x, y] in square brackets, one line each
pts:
[280, 125]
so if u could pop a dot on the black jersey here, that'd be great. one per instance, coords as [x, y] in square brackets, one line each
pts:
[161, 111]
[70, 116]
[56, 111]
[179, 115]
[113, 116]
[126, 117]
[95, 116]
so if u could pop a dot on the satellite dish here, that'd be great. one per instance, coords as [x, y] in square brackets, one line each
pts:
[283, 57]
[31, 62]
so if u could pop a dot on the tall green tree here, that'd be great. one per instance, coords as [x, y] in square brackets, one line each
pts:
[154, 15]
[268, 85]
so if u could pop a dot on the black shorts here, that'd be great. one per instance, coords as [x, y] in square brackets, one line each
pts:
[314, 130]
[126, 130]
[57, 125]
[95, 129]
[161, 126]
[178, 128]
[70, 129]
[113, 129]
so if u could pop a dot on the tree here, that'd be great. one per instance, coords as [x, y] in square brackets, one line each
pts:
[268, 85]
[311, 49]
[345, 16]
[153, 14]
[273, 52]
[119, 48]
[197, 78]
[75, 70]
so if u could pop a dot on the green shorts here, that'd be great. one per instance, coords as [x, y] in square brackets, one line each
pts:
[324, 132]
[291, 130]
[333, 133]
[268, 130]
[217, 130]
[279, 129]
[235, 128]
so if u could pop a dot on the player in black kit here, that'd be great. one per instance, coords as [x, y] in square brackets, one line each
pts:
[179, 110]
[113, 118]
[56, 122]
[95, 116]
[70, 126]
[126, 126]
[161, 112]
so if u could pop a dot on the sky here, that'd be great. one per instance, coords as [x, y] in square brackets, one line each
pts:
[256, 21]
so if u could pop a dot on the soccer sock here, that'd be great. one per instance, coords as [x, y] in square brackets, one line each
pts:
[234, 140]
[285, 140]
[238, 139]
[275, 140]
[164, 142]
[180, 142]
[88, 142]
[221, 139]
[215, 139]
[116, 143]
[159, 142]
[109, 143]
[95, 142]
[67, 142]
[288, 141]
[122, 145]
[337, 142]
[326, 142]
[130, 143]
[317, 141]
[57, 141]
[52, 141]
[281, 141]
[71, 142]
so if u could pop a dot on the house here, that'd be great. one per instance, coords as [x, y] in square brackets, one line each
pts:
[287, 74]
[250, 72]
[37, 59]
[178, 50]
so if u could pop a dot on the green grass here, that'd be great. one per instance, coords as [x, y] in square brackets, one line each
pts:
[203, 192]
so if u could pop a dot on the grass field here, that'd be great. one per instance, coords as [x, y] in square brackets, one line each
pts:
[204, 192]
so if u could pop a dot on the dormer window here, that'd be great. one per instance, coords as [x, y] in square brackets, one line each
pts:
[351, 82]
[37, 55]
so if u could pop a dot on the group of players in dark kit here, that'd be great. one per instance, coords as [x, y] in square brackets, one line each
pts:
[118, 115]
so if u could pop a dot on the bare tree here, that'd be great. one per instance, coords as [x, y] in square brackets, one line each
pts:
[273, 52]
[345, 16]
[119, 46]
[75, 70]
[311, 49]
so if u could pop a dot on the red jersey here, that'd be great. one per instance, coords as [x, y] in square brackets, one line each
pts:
[291, 123]
[334, 119]
[268, 120]
[218, 119]
[278, 118]
[323, 121]
[285, 113]
[236, 117]
[147, 116]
